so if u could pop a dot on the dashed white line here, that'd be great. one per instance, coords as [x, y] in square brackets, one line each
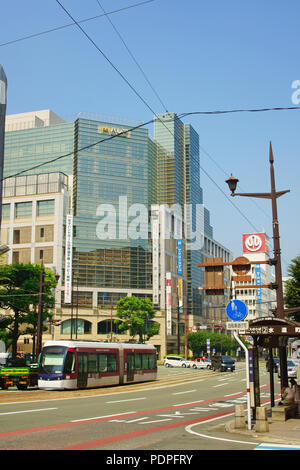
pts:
[122, 401]
[26, 411]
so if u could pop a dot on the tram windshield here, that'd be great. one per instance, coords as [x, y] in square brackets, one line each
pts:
[52, 360]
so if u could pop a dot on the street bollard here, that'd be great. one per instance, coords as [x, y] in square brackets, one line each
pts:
[240, 421]
[262, 424]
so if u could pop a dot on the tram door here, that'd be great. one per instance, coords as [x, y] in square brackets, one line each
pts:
[130, 367]
[82, 370]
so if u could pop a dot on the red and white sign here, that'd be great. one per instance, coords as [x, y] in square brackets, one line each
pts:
[254, 243]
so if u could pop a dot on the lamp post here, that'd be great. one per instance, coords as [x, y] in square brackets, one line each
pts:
[276, 261]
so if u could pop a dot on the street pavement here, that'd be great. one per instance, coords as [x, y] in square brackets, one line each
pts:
[286, 433]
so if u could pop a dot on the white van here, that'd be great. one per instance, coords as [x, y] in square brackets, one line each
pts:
[176, 361]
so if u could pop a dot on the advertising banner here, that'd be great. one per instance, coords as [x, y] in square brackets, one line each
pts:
[68, 259]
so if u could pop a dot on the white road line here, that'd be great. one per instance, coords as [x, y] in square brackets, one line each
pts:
[122, 401]
[106, 416]
[26, 411]
[157, 421]
[189, 403]
[220, 385]
[181, 393]
[190, 426]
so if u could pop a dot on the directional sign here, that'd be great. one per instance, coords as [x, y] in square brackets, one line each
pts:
[237, 325]
[236, 310]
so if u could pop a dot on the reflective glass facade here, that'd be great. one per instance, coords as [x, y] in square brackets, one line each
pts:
[114, 170]
[111, 175]
[178, 181]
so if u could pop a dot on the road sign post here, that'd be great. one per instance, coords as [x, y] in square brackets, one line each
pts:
[236, 310]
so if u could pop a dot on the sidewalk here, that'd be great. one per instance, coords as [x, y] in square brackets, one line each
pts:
[286, 432]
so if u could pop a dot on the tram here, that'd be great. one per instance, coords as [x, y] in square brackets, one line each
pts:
[76, 364]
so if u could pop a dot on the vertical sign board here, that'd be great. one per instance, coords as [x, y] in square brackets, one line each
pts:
[258, 282]
[169, 304]
[68, 259]
[3, 87]
[155, 256]
[179, 256]
[180, 297]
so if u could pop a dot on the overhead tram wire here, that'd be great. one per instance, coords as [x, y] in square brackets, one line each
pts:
[107, 58]
[133, 57]
[147, 105]
[72, 24]
[180, 116]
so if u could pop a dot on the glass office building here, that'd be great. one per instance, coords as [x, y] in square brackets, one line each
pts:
[108, 181]
[178, 179]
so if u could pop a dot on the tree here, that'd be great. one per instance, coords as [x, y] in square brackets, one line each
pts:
[219, 342]
[19, 294]
[136, 315]
[292, 287]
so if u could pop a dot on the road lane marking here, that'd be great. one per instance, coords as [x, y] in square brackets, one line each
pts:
[220, 385]
[100, 417]
[189, 403]
[181, 393]
[129, 399]
[26, 411]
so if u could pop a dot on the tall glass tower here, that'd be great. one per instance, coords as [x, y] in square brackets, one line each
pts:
[3, 88]
[178, 182]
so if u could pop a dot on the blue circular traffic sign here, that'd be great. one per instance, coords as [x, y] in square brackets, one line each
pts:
[236, 310]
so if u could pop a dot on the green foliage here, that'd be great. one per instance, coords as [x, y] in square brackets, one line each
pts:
[19, 289]
[218, 341]
[292, 287]
[136, 315]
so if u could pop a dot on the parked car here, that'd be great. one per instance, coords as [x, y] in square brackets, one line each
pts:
[201, 363]
[222, 363]
[275, 364]
[176, 361]
[291, 369]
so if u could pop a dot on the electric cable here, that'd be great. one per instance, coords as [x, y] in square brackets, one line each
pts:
[133, 57]
[72, 24]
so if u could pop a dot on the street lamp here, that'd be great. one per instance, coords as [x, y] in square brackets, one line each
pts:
[273, 195]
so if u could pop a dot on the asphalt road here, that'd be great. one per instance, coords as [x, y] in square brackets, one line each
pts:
[183, 411]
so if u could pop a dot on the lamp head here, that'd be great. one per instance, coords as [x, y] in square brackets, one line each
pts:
[232, 183]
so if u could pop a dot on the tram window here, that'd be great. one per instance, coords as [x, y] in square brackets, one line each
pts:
[102, 363]
[70, 363]
[145, 362]
[92, 363]
[111, 362]
[152, 361]
[107, 362]
[138, 361]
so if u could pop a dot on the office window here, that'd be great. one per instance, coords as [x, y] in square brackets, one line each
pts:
[23, 210]
[5, 211]
[45, 208]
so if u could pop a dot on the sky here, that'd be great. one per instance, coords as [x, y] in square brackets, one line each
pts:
[197, 57]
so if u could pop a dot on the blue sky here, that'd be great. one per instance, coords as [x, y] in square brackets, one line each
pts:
[198, 56]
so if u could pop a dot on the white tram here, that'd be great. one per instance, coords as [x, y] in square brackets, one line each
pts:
[86, 364]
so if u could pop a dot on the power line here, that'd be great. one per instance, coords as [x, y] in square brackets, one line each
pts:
[180, 116]
[106, 57]
[72, 24]
[133, 58]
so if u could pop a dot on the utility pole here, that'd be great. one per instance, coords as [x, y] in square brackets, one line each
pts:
[40, 314]
[42, 284]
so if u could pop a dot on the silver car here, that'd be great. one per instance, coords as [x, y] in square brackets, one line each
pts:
[176, 361]
[291, 369]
